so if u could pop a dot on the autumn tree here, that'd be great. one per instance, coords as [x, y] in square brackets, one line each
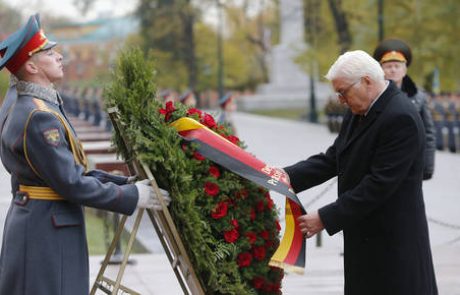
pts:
[167, 26]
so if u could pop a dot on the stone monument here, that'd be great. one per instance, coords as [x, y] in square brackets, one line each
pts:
[289, 85]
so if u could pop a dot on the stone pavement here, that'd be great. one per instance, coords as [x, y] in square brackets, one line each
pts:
[279, 143]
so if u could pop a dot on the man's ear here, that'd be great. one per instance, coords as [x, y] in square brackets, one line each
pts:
[30, 67]
[367, 80]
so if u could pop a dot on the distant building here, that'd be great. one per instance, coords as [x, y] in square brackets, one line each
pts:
[90, 48]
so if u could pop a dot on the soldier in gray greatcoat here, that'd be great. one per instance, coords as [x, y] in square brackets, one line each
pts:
[451, 122]
[439, 119]
[44, 248]
[395, 57]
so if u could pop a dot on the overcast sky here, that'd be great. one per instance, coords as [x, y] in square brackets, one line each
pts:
[101, 8]
[68, 9]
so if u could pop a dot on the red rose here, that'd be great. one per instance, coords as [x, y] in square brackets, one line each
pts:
[269, 201]
[258, 282]
[252, 215]
[168, 110]
[270, 287]
[231, 202]
[241, 194]
[269, 244]
[193, 111]
[220, 210]
[278, 225]
[252, 237]
[233, 139]
[184, 147]
[208, 121]
[198, 156]
[279, 272]
[265, 234]
[211, 189]
[234, 222]
[214, 171]
[259, 253]
[260, 206]
[244, 259]
[231, 235]
[270, 204]
[170, 107]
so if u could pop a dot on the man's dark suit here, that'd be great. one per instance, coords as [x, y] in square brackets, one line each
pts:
[380, 205]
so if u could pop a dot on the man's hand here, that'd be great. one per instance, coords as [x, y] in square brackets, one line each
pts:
[310, 224]
[147, 196]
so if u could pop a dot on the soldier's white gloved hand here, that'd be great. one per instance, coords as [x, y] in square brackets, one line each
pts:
[131, 179]
[147, 196]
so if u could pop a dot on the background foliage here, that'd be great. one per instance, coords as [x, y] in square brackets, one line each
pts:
[184, 41]
[429, 27]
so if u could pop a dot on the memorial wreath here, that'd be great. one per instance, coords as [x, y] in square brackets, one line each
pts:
[228, 224]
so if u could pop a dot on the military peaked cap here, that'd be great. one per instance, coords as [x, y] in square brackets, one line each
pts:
[17, 48]
[393, 50]
[225, 99]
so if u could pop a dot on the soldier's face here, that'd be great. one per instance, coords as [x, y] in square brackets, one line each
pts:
[49, 65]
[395, 71]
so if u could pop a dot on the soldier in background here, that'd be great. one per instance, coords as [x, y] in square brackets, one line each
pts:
[395, 57]
[456, 98]
[167, 95]
[227, 107]
[86, 101]
[439, 120]
[451, 122]
[334, 111]
[329, 111]
[188, 98]
[96, 106]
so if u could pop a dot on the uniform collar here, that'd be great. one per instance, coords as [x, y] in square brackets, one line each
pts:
[13, 80]
[46, 93]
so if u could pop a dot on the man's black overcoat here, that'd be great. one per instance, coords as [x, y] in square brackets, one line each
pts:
[380, 205]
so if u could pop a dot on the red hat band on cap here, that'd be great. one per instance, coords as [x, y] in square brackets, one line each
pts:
[37, 42]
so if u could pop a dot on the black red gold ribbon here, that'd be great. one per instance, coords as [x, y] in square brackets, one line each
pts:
[290, 254]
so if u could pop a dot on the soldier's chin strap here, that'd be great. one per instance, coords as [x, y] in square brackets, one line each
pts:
[290, 255]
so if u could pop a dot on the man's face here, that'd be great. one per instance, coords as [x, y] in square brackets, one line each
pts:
[353, 93]
[49, 65]
[394, 70]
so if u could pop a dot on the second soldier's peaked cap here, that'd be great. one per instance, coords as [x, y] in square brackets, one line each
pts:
[17, 48]
[185, 95]
[224, 99]
[393, 50]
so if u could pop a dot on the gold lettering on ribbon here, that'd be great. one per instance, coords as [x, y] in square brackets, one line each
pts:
[275, 175]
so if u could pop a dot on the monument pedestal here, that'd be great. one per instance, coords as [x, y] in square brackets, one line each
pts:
[289, 85]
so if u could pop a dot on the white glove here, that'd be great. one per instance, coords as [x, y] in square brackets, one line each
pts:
[147, 196]
[131, 179]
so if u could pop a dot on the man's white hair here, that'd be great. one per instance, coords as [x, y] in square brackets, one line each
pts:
[354, 65]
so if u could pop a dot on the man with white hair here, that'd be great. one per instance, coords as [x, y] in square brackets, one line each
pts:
[378, 158]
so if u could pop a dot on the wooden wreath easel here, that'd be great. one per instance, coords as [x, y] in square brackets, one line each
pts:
[164, 227]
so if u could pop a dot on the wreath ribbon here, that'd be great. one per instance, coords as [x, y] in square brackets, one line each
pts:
[290, 254]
